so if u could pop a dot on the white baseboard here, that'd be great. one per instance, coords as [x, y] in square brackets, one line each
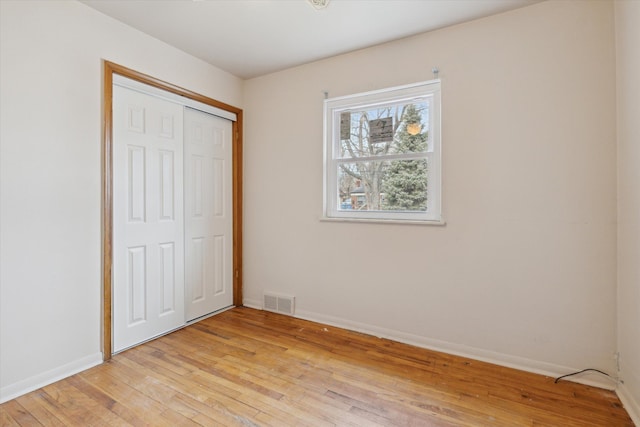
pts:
[516, 362]
[252, 303]
[37, 381]
[631, 404]
[509, 361]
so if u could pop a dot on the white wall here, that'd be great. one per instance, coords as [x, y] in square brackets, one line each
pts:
[50, 206]
[627, 18]
[524, 272]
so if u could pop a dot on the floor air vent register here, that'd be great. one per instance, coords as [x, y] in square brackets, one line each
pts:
[279, 303]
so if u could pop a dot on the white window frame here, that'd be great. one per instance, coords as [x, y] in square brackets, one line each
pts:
[333, 107]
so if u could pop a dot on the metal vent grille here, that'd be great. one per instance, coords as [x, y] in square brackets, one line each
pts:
[279, 303]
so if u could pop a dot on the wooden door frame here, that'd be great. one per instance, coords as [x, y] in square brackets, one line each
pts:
[109, 70]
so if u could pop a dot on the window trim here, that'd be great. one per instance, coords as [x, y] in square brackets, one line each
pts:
[397, 94]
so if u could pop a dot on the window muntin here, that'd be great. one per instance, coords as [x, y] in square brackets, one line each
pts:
[383, 154]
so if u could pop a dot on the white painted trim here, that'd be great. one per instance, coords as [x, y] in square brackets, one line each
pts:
[252, 303]
[631, 404]
[37, 381]
[501, 359]
[383, 221]
[385, 93]
[331, 136]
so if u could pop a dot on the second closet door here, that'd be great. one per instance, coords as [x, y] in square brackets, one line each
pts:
[208, 213]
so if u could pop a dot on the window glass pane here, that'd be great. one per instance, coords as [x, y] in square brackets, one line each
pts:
[383, 130]
[396, 185]
[382, 153]
[405, 186]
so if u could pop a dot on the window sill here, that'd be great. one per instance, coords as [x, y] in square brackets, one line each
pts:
[384, 221]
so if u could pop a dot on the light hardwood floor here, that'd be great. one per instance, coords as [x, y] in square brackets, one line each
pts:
[247, 367]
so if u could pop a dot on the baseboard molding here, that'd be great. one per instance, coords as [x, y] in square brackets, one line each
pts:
[629, 402]
[509, 361]
[37, 381]
[520, 363]
[252, 303]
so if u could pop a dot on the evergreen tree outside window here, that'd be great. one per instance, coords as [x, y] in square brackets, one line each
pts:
[382, 155]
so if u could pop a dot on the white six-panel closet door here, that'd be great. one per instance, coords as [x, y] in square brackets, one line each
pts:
[148, 224]
[208, 213]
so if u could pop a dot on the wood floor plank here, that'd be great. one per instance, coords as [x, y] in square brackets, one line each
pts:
[7, 420]
[36, 406]
[199, 386]
[59, 415]
[14, 414]
[127, 389]
[248, 368]
[79, 407]
[8, 411]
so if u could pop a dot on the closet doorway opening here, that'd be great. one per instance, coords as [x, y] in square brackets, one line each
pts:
[158, 208]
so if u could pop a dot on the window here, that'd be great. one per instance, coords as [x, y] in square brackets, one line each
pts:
[382, 155]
